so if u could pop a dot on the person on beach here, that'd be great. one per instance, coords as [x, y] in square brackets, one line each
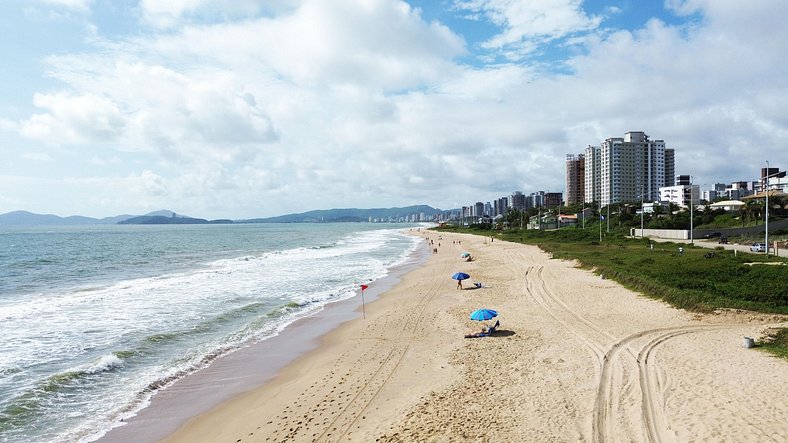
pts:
[459, 284]
[483, 333]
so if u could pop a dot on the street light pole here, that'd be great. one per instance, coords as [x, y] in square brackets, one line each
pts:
[766, 185]
[692, 241]
[641, 212]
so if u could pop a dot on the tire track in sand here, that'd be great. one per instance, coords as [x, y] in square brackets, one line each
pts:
[613, 356]
[656, 428]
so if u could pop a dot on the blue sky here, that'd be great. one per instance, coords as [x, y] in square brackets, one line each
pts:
[247, 108]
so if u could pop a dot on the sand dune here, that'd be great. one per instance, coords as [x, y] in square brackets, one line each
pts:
[577, 358]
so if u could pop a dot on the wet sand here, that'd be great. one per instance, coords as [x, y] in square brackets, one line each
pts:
[247, 368]
[577, 358]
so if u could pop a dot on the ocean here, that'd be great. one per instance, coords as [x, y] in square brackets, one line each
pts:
[96, 319]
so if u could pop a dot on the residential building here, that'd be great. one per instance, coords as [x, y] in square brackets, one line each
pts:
[517, 201]
[627, 169]
[711, 194]
[670, 166]
[779, 184]
[650, 207]
[593, 174]
[478, 209]
[575, 179]
[772, 172]
[727, 205]
[543, 221]
[553, 199]
[737, 190]
[500, 206]
[680, 195]
[535, 200]
[567, 220]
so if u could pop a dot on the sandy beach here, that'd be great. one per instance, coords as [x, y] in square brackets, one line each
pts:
[576, 358]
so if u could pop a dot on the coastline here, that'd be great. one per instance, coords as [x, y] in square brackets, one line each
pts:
[576, 358]
[248, 367]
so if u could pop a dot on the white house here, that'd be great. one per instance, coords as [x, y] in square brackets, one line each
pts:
[727, 205]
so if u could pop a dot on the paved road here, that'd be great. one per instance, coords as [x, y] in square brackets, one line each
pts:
[713, 244]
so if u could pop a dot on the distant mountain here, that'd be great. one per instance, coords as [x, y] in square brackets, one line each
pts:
[348, 215]
[171, 220]
[26, 218]
[22, 218]
[164, 216]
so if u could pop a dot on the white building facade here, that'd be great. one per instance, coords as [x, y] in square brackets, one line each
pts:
[680, 195]
[627, 169]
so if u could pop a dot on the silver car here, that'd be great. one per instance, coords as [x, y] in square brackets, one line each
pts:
[758, 247]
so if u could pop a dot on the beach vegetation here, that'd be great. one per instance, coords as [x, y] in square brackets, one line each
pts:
[775, 342]
[697, 279]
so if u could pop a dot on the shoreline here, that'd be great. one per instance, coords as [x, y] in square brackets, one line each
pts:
[249, 367]
[576, 358]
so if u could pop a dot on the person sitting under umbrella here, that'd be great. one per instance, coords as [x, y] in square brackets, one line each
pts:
[483, 333]
[486, 331]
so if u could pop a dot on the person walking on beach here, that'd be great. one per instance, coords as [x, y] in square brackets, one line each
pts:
[459, 284]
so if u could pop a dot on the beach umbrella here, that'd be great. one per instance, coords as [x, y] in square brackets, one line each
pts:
[483, 314]
[460, 276]
[465, 254]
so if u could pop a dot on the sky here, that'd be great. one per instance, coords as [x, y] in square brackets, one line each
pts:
[252, 108]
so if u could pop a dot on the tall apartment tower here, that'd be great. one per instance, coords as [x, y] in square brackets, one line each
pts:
[500, 206]
[623, 169]
[670, 167]
[517, 201]
[575, 179]
[593, 172]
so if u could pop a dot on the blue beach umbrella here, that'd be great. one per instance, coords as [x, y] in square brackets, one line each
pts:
[465, 254]
[483, 314]
[460, 276]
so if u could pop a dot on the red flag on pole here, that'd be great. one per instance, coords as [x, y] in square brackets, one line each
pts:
[363, 310]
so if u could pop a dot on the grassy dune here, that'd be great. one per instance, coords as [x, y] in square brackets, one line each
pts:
[699, 280]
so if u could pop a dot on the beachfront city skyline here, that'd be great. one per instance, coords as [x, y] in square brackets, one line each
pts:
[253, 109]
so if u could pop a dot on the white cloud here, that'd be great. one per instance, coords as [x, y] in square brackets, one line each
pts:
[336, 103]
[78, 5]
[175, 13]
[73, 119]
[37, 156]
[8, 125]
[526, 25]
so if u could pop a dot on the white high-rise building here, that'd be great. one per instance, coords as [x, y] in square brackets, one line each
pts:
[624, 169]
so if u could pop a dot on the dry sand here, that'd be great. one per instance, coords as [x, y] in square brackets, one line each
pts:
[577, 358]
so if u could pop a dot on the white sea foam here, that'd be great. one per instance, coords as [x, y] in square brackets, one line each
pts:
[168, 324]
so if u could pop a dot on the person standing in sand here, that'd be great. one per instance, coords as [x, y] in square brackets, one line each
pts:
[459, 284]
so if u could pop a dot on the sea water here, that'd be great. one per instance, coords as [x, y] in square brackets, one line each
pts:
[96, 319]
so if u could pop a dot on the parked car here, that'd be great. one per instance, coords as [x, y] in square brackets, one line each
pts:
[758, 247]
[713, 235]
